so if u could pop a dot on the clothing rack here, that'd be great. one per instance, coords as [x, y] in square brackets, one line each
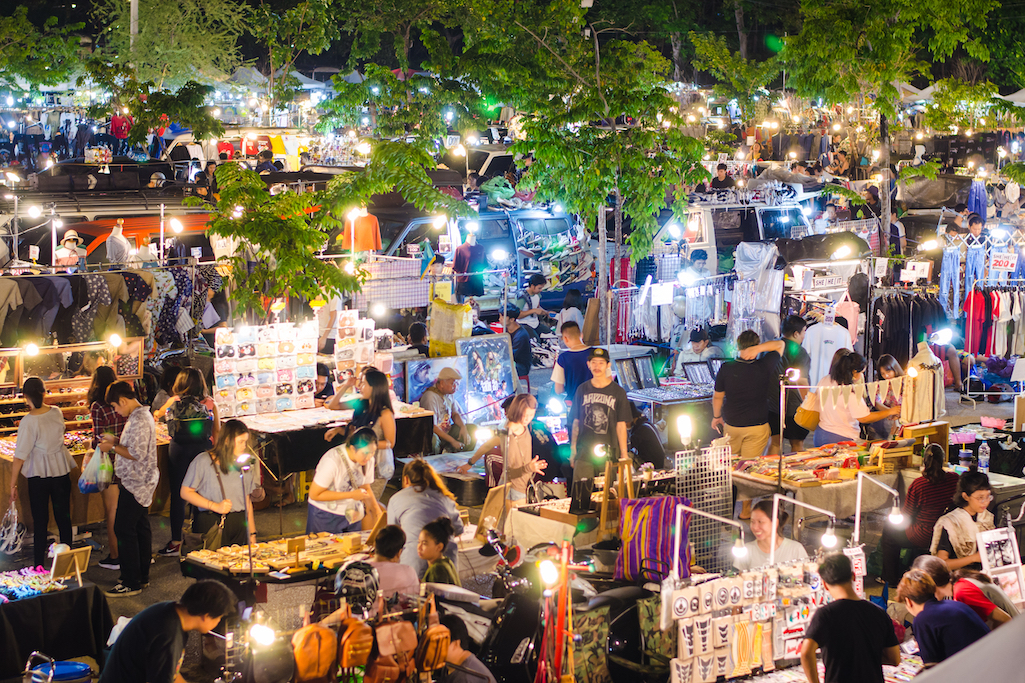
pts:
[876, 293]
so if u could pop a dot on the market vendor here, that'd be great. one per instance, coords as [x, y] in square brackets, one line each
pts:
[762, 528]
[953, 537]
[324, 387]
[340, 495]
[698, 350]
[522, 464]
[450, 434]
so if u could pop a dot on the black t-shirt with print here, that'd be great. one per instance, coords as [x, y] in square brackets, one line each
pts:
[598, 412]
[852, 635]
[149, 649]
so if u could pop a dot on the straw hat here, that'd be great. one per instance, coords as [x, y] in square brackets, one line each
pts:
[73, 236]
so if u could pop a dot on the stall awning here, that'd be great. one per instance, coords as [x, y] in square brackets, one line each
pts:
[144, 227]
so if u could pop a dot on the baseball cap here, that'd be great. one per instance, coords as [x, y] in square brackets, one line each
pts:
[449, 373]
[698, 335]
[598, 352]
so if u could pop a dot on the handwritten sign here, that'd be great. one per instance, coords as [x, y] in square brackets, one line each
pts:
[1005, 262]
[915, 270]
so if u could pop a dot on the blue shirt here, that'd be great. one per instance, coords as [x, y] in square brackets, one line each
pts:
[413, 510]
[572, 367]
[522, 356]
[945, 627]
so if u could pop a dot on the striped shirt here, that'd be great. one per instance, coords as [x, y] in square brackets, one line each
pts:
[925, 503]
[105, 420]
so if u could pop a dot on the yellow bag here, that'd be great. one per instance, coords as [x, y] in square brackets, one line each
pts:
[448, 323]
[807, 414]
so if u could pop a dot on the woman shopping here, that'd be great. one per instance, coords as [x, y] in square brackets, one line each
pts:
[762, 528]
[888, 368]
[340, 495]
[216, 490]
[840, 415]
[926, 499]
[422, 500]
[521, 463]
[192, 423]
[376, 412]
[105, 421]
[953, 536]
[40, 455]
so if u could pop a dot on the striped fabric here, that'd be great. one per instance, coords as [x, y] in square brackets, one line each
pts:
[646, 528]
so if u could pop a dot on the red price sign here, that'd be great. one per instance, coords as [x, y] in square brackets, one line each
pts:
[1004, 262]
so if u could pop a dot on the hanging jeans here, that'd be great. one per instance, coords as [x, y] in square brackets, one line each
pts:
[950, 278]
[997, 277]
[1019, 269]
[974, 267]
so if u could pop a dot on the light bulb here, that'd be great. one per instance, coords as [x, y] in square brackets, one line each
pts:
[836, 127]
[378, 310]
[484, 434]
[31, 350]
[549, 572]
[674, 231]
[262, 634]
[115, 341]
[556, 406]
[35, 211]
[739, 549]
[896, 517]
[843, 252]
[683, 424]
[439, 222]
[499, 254]
[176, 225]
[929, 245]
[912, 372]
[829, 538]
[350, 268]
[601, 450]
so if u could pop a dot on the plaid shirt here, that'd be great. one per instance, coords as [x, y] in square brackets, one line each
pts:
[105, 419]
[139, 476]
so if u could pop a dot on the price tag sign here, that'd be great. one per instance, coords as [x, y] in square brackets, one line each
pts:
[413, 249]
[1005, 262]
[197, 252]
[882, 267]
[827, 281]
[915, 270]
[33, 252]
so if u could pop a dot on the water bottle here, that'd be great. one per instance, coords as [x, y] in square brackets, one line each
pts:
[984, 457]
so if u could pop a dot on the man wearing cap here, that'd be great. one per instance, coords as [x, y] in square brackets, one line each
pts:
[599, 414]
[700, 349]
[450, 433]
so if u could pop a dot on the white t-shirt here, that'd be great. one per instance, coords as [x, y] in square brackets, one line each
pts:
[787, 551]
[324, 318]
[842, 417]
[568, 314]
[821, 342]
[336, 472]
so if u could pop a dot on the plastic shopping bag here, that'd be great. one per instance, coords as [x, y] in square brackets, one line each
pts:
[106, 470]
[89, 480]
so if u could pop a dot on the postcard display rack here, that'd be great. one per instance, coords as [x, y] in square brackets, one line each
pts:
[265, 368]
[359, 343]
[1001, 561]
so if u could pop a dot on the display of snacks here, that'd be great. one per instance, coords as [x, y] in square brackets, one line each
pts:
[826, 464]
[26, 583]
[322, 549]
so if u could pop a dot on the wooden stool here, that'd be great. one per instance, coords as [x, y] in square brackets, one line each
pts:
[624, 488]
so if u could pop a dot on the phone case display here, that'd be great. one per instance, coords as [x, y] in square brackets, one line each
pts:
[356, 341]
[491, 377]
[27, 583]
[736, 626]
[265, 368]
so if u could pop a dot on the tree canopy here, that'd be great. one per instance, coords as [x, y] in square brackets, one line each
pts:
[36, 55]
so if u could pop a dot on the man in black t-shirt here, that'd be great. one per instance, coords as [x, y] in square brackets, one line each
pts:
[150, 648]
[739, 405]
[600, 414]
[855, 635]
[721, 181]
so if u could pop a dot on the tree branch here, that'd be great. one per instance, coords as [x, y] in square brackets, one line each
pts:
[559, 57]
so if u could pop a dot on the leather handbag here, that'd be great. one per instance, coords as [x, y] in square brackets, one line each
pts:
[395, 637]
[432, 649]
[807, 414]
[355, 643]
[382, 669]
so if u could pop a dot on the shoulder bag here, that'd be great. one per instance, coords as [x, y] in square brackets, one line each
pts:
[807, 414]
[211, 538]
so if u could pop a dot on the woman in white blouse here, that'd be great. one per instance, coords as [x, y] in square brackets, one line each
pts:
[40, 455]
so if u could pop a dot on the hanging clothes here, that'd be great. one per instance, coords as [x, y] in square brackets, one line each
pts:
[975, 312]
[470, 258]
[923, 399]
[822, 341]
[950, 282]
[977, 199]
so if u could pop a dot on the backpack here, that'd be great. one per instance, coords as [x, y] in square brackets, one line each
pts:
[432, 647]
[355, 643]
[315, 648]
[189, 421]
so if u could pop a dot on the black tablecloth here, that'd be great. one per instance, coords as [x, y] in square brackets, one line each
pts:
[72, 623]
[300, 451]
[1009, 461]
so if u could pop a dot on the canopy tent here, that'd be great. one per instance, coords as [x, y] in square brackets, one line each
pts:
[247, 76]
[305, 82]
[993, 658]
[908, 92]
[354, 77]
[1017, 97]
[919, 96]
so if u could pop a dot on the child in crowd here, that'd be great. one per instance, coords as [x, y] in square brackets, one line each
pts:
[431, 548]
[394, 577]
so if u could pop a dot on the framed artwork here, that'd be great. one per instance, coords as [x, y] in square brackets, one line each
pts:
[998, 549]
[421, 374]
[491, 376]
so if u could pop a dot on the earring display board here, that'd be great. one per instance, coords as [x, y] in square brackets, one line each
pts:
[491, 376]
[735, 626]
[421, 374]
[265, 368]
